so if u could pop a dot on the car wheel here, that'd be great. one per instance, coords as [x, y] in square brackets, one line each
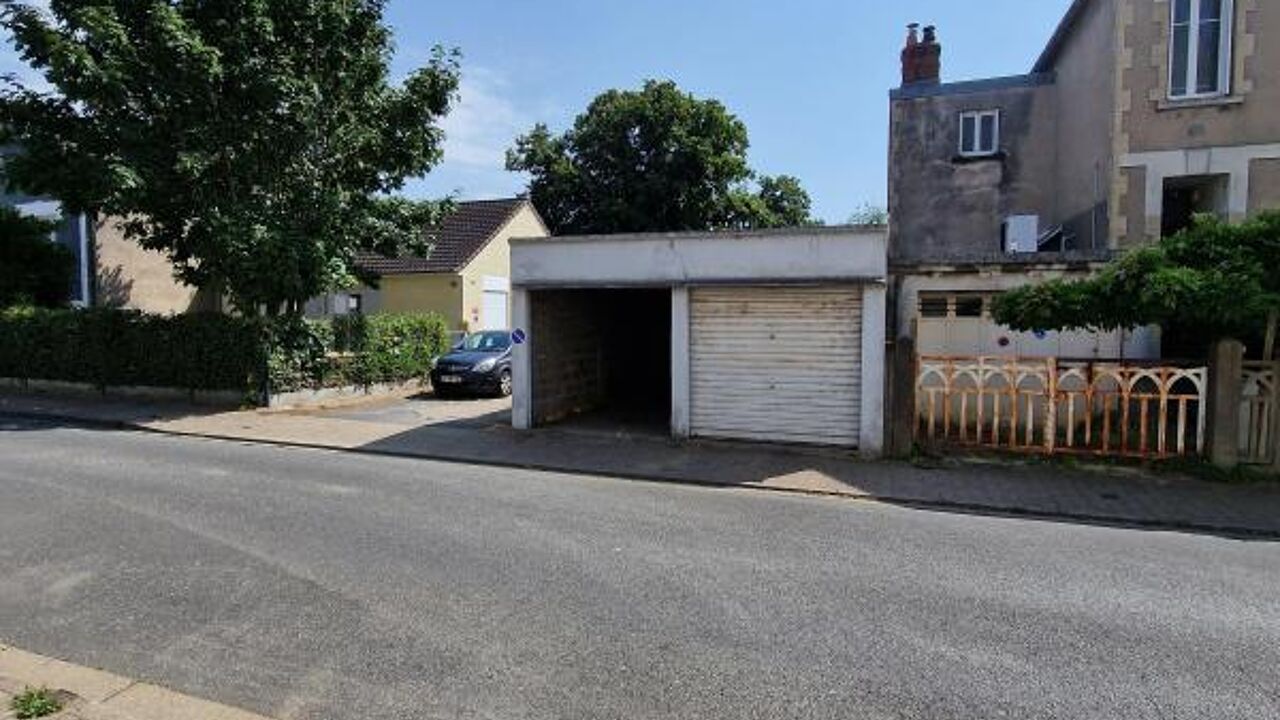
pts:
[504, 384]
[443, 394]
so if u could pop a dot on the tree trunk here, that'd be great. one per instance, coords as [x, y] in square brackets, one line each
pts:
[1269, 344]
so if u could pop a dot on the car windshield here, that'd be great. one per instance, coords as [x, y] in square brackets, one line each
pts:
[486, 342]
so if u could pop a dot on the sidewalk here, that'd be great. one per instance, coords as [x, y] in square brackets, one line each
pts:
[88, 694]
[1103, 495]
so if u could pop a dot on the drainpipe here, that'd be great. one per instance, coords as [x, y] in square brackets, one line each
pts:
[86, 294]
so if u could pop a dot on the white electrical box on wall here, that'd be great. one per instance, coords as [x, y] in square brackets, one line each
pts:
[1021, 233]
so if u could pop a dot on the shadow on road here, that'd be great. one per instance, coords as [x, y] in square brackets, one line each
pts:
[590, 445]
[479, 432]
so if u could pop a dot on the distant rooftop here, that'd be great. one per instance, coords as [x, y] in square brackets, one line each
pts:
[968, 87]
[458, 239]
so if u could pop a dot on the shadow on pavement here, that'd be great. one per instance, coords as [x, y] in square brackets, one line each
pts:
[591, 446]
[76, 409]
[479, 432]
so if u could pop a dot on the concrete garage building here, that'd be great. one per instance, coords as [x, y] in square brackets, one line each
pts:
[773, 336]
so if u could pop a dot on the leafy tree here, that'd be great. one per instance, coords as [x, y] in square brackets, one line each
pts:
[255, 143]
[657, 159]
[32, 268]
[868, 214]
[1214, 280]
[784, 203]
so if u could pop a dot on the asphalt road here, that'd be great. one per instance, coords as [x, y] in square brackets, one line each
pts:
[310, 584]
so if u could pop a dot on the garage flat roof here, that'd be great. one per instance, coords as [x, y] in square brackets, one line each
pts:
[808, 254]
[791, 232]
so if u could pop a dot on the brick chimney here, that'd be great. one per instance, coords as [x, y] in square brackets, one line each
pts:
[922, 57]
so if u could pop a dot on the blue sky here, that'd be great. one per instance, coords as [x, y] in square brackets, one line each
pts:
[810, 78]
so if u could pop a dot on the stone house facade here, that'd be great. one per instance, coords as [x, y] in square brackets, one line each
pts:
[1137, 115]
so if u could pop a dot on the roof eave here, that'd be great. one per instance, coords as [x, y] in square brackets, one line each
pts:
[1050, 55]
[511, 215]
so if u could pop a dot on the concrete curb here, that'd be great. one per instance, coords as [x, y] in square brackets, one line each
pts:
[97, 695]
[1009, 511]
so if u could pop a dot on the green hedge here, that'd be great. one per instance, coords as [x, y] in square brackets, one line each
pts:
[120, 348]
[355, 350]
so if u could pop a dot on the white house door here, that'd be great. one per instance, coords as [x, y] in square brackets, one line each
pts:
[497, 301]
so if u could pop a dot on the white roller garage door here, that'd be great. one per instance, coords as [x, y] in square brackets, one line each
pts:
[778, 364]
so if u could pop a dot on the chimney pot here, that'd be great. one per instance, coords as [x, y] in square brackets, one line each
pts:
[928, 64]
[911, 56]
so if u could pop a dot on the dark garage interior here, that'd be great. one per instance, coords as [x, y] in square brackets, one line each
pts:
[602, 357]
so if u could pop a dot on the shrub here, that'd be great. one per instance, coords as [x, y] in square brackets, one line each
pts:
[32, 269]
[115, 348]
[120, 348]
[34, 703]
[355, 350]
[297, 352]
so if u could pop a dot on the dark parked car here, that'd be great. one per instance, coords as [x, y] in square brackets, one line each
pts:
[480, 364]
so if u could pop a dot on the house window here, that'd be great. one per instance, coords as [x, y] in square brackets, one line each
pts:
[979, 133]
[969, 306]
[1200, 48]
[947, 305]
[72, 232]
[934, 306]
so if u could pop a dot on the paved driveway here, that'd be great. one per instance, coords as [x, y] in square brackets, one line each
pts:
[426, 411]
[316, 584]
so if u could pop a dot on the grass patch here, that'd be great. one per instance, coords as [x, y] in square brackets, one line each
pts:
[34, 703]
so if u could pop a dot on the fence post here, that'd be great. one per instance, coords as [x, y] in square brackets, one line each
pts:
[1226, 373]
[903, 398]
[1274, 437]
[1051, 406]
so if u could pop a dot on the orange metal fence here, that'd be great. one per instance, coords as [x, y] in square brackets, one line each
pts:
[1062, 406]
[1259, 412]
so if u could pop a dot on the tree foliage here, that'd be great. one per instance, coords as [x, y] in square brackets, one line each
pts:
[253, 142]
[1214, 279]
[868, 214]
[656, 159]
[781, 202]
[33, 270]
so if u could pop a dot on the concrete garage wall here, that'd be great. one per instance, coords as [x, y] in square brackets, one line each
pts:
[549, 277]
[811, 254]
[1138, 344]
[567, 373]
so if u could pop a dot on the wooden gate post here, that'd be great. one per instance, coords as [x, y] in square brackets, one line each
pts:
[1226, 374]
[902, 398]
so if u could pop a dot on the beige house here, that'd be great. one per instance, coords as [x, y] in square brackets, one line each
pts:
[466, 278]
[125, 275]
[1137, 115]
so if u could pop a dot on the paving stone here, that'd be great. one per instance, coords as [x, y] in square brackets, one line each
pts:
[149, 702]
